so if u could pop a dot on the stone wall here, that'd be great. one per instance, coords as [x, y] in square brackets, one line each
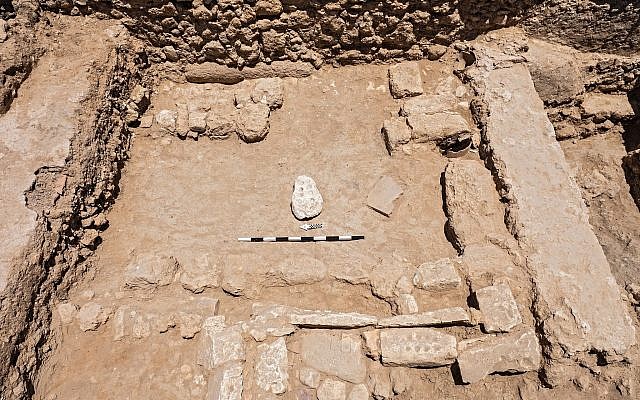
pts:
[245, 32]
[239, 33]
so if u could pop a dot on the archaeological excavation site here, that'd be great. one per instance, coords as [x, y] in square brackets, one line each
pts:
[325, 199]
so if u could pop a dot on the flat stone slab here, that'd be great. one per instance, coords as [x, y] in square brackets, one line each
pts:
[417, 347]
[472, 203]
[437, 275]
[427, 104]
[220, 344]
[226, 383]
[330, 319]
[580, 306]
[607, 105]
[442, 317]
[499, 308]
[271, 367]
[334, 354]
[405, 80]
[384, 193]
[517, 352]
[332, 389]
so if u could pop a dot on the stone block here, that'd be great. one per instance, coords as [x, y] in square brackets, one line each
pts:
[437, 127]
[147, 271]
[331, 389]
[269, 91]
[607, 106]
[219, 344]
[417, 347]
[437, 275]
[253, 122]
[226, 383]
[271, 367]
[442, 317]
[405, 80]
[515, 352]
[334, 354]
[396, 132]
[499, 308]
[309, 377]
[330, 319]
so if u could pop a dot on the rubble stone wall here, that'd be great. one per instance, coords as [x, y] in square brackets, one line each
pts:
[245, 32]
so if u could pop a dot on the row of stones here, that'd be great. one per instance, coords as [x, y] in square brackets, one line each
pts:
[249, 119]
[422, 118]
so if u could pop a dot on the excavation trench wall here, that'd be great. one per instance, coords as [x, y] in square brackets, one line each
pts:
[69, 200]
[238, 33]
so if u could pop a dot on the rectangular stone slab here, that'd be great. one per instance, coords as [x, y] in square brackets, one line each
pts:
[442, 317]
[517, 352]
[417, 347]
[579, 302]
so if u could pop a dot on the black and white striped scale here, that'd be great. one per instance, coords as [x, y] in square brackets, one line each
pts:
[344, 238]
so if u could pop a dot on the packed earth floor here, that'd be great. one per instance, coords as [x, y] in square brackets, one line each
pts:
[501, 237]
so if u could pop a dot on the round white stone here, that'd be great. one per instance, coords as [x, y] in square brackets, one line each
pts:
[306, 201]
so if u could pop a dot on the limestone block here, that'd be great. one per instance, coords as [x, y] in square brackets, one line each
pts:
[271, 367]
[253, 122]
[405, 80]
[331, 389]
[330, 319]
[499, 308]
[417, 347]
[437, 275]
[515, 352]
[442, 317]
[335, 355]
[437, 127]
[396, 132]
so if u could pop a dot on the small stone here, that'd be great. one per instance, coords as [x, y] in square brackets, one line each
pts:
[198, 121]
[268, 91]
[268, 7]
[330, 319]
[220, 345]
[417, 347]
[271, 367]
[499, 308]
[359, 392]
[309, 377]
[226, 383]
[302, 270]
[269, 321]
[372, 343]
[190, 324]
[199, 274]
[384, 193]
[442, 317]
[166, 119]
[182, 120]
[91, 316]
[170, 53]
[146, 121]
[396, 132]
[404, 285]
[150, 270]
[306, 200]
[405, 80]
[221, 123]
[399, 380]
[3, 31]
[406, 304]
[335, 355]
[438, 275]
[437, 127]
[253, 122]
[505, 353]
[436, 51]
[379, 383]
[67, 312]
[331, 389]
